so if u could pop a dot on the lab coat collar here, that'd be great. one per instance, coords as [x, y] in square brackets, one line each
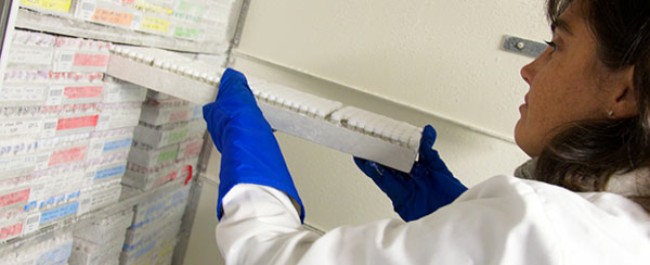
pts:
[634, 185]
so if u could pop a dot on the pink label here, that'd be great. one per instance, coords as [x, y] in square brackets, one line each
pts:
[193, 149]
[169, 177]
[77, 122]
[11, 230]
[13, 198]
[66, 42]
[68, 155]
[77, 77]
[179, 116]
[91, 60]
[83, 92]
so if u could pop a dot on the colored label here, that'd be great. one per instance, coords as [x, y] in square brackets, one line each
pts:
[53, 5]
[177, 136]
[186, 32]
[148, 7]
[15, 197]
[83, 92]
[169, 177]
[110, 146]
[97, 60]
[11, 231]
[77, 122]
[190, 11]
[155, 24]
[145, 249]
[168, 155]
[178, 116]
[193, 149]
[75, 77]
[112, 17]
[60, 212]
[68, 155]
[111, 172]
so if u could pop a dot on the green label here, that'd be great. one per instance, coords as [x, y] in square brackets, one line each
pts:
[167, 155]
[190, 33]
[177, 136]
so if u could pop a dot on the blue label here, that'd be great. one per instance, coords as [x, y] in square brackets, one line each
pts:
[74, 195]
[59, 212]
[111, 172]
[110, 146]
[145, 249]
[31, 205]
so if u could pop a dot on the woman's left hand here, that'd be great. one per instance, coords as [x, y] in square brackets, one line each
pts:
[429, 185]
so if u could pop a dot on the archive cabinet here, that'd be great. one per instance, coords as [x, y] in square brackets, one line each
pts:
[96, 169]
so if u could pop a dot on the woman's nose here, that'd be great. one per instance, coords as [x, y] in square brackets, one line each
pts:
[527, 72]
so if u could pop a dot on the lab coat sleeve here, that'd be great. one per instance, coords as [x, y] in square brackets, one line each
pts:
[261, 226]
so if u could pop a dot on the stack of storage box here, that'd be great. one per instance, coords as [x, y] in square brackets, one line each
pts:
[195, 20]
[53, 249]
[65, 133]
[153, 235]
[100, 242]
[167, 142]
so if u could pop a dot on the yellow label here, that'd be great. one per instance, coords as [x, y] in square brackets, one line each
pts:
[155, 24]
[52, 5]
[148, 7]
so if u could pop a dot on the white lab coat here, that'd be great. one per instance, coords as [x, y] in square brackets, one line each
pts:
[504, 220]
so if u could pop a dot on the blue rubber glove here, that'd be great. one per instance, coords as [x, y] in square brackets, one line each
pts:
[429, 186]
[249, 151]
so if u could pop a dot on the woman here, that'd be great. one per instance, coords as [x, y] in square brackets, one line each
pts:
[585, 121]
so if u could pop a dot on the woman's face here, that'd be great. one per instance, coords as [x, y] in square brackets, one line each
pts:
[567, 83]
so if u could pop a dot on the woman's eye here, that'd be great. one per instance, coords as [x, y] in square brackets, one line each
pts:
[552, 45]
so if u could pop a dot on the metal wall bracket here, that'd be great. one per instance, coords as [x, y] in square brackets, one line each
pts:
[523, 46]
[4, 20]
[193, 202]
[7, 22]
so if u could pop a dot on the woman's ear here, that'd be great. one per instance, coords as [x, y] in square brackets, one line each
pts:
[624, 101]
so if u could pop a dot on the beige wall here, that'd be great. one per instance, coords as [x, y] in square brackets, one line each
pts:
[421, 61]
[441, 57]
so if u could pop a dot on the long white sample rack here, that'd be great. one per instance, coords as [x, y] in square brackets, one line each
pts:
[345, 128]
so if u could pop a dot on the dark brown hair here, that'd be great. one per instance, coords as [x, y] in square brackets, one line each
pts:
[585, 154]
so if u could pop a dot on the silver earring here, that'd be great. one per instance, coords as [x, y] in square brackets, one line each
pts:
[610, 113]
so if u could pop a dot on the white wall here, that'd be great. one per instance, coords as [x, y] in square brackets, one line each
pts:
[421, 61]
[441, 57]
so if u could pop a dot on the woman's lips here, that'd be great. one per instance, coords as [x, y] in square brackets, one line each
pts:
[524, 105]
[526, 99]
